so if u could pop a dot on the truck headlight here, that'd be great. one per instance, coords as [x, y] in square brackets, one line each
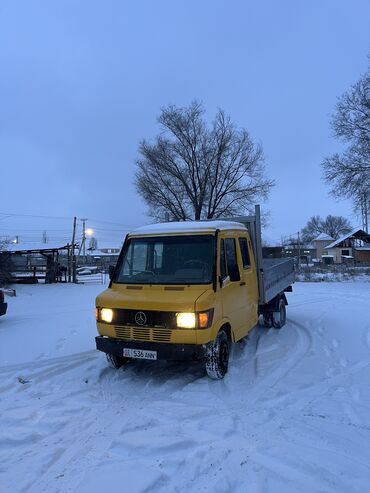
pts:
[106, 315]
[185, 320]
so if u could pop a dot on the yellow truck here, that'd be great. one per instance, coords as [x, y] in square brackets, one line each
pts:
[188, 290]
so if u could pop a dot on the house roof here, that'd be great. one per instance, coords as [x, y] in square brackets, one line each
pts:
[35, 247]
[359, 234]
[186, 227]
[324, 237]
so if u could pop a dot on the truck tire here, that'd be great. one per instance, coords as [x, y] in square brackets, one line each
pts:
[279, 318]
[217, 358]
[116, 361]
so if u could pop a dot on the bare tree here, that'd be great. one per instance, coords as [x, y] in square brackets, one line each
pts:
[334, 226]
[192, 171]
[348, 173]
[312, 229]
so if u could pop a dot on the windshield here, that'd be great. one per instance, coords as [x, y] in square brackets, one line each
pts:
[167, 260]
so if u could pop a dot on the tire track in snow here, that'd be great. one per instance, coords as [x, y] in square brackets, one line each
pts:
[233, 404]
[111, 413]
[271, 375]
[143, 387]
[285, 409]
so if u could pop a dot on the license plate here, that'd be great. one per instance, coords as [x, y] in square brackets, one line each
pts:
[139, 353]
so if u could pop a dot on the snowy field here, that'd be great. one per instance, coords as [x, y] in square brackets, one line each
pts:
[292, 415]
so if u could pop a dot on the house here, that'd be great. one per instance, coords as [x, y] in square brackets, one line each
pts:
[319, 243]
[304, 252]
[105, 253]
[352, 247]
[105, 248]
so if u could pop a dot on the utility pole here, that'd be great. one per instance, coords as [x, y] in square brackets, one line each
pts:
[84, 238]
[299, 252]
[73, 253]
[83, 242]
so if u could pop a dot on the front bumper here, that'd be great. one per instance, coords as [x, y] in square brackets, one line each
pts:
[168, 352]
[3, 307]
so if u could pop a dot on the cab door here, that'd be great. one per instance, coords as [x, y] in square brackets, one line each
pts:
[234, 307]
[248, 284]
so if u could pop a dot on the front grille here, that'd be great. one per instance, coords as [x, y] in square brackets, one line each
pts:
[123, 333]
[143, 334]
[155, 319]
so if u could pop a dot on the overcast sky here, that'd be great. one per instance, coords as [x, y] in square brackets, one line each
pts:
[83, 81]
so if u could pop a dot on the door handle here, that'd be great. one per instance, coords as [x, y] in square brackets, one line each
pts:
[242, 283]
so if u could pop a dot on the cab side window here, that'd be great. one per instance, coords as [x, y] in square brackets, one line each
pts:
[231, 260]
[223, 272]
[244, 252]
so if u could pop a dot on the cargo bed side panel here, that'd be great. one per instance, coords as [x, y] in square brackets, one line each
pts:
[278, 274]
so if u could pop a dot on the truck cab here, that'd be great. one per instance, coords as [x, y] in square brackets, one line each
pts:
[180, 291]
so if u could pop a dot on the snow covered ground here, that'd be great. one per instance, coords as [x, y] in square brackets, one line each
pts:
[293, 414]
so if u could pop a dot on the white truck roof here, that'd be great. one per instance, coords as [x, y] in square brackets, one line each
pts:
[187, 227]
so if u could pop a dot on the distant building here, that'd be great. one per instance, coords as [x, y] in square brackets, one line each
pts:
[305, 252]
[352, 247]
[320, 243]
[105, 254]
[272, 252]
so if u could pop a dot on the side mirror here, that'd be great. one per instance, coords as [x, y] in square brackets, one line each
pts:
[234, 273]
[111, 271]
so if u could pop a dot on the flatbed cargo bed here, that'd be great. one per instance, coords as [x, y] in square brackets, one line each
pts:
[277, 275]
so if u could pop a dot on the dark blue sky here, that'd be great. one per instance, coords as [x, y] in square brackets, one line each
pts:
[82, 82]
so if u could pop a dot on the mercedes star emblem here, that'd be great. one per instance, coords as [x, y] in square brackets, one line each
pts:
[140, 318]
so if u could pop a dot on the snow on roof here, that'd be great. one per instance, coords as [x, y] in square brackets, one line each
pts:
[344, 237]
[186, 227]
[324, 236]
[99, 253]
[23, 247]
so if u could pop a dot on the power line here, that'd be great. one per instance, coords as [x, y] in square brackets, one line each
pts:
[13, 214]
[9, 214]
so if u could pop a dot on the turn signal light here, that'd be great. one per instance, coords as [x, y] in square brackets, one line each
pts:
[203, 320]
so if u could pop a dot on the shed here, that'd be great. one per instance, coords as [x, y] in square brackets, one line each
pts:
[50, 268]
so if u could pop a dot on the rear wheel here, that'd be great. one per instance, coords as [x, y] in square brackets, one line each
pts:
[116, 361]
[267, 320]
[217, 358]
[279, 318]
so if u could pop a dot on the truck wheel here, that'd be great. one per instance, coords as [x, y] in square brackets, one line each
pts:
[217, 358]
[279, 318]
[116, 361]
